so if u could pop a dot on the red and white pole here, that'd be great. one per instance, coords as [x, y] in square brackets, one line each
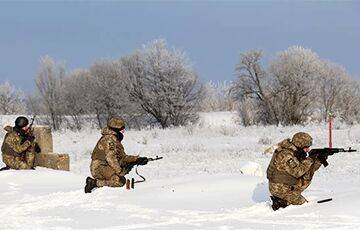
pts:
[330, 120]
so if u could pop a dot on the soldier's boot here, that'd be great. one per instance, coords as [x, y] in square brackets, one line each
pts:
[90, 184]
[5, 168]
[278, 203]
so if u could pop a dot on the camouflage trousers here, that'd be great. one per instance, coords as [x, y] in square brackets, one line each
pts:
[292, 194]
[15, 162]
[105, 175]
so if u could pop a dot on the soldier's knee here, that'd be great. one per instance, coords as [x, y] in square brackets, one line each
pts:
[297, 200]
[118, 181]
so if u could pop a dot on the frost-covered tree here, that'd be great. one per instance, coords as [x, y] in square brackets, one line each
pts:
[11, 100]
[34, 105]
[294, 75]
[109, 96]
[49, 85]
[252, 86]
[76, 95]
[217, 97]
[348, 104]
[333, 82]
[163, 83]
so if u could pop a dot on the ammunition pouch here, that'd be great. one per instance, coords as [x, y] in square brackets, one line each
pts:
[276, 176]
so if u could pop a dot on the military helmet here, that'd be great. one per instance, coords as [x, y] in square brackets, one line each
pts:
[301, 140]
[116, 123]
[21, 122]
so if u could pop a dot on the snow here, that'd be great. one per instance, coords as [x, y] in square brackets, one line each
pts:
[212, 177]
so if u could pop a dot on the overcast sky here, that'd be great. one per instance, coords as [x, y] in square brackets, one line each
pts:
[212, 33]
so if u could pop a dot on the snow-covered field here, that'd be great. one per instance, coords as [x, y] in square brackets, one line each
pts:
[212, 177]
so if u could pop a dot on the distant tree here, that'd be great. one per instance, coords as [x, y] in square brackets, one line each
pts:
[294, 73]
[11, 100]
[34, 105]
[49, 85]
[332, 83]
[217, 97]
[253, 83]
[249, 111]
[348, 104]
[109, 95]
[163, 83]
[76, 95]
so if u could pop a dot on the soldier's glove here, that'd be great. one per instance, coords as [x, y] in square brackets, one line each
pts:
[142, 161]
[128, 168]
[37, 148]
[30, 138]
[321, 157]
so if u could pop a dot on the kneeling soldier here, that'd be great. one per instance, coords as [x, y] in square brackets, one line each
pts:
[109, 163]
[290, 171]
[18, 148]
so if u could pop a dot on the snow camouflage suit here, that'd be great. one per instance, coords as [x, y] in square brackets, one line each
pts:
[15, 153]
[288, 174]
[109, 160]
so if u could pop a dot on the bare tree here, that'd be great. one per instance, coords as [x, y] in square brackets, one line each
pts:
[163, 83]
[294, 72]
[76, 95]
[349, 103]
[34, 104]
[252, 83]
[11, 100]
[108, 91]
[49, 85]
[217, 97]
[332, 83]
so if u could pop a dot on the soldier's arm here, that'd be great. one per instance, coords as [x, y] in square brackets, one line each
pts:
[316, 165]
[296, 168]
[14, 141]
[130, 159]
[110, 155]
[125, 159]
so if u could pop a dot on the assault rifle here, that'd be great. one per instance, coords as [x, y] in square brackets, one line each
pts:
[140, 161]
[322, 154]
[28, 135]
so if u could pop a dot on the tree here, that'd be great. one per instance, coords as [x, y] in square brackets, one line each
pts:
[332, 84]
[294, 74]
[163, 83]
[76, 95]
[49, 85]
[109, 94]
[217, 97]
[349, 103]
[252, 83]
[11, 100]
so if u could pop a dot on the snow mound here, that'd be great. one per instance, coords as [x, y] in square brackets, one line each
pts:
[252, 169]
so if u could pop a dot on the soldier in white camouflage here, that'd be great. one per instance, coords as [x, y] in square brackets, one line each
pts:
[18, 148]
[109, 162]
[290, 171]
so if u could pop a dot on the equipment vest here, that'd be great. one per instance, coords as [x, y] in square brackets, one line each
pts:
[276, 176]
[6, 149]
[98, 154]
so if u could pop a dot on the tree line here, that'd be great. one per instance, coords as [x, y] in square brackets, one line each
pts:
[157, 85]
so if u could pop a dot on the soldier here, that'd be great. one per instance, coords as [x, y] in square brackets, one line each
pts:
[19, 147]
[290, 171]
[109, 163]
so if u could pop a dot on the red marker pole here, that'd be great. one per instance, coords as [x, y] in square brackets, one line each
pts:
[330, 129]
